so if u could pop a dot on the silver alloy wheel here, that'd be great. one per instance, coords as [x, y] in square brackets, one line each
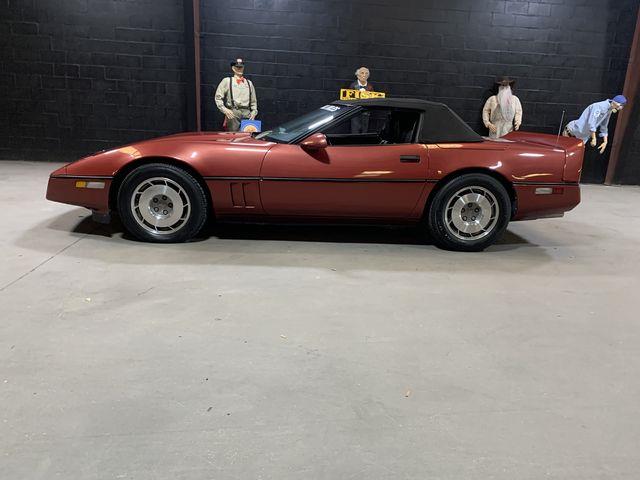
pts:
[472, 213]
[160, 205]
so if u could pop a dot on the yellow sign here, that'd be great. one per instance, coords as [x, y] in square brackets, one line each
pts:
[349, 94]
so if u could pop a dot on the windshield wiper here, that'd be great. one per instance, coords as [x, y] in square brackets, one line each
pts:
[260, 135]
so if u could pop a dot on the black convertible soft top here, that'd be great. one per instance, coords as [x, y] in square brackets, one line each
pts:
[440, 124]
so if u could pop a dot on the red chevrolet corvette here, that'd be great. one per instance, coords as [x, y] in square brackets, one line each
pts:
[376, 160]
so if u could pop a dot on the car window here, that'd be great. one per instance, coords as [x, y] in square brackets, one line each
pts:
[375, 126]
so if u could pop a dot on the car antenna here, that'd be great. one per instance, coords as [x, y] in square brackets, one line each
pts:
[560, 128]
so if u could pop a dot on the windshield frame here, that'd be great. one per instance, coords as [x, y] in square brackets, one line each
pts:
[349, 110]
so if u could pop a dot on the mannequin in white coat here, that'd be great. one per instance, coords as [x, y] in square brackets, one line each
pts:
[502, 113]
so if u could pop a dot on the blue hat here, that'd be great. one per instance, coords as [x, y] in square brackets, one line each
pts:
[621, 99]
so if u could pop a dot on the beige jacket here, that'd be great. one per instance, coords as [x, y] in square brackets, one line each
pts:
[244, 96]
[491, 114]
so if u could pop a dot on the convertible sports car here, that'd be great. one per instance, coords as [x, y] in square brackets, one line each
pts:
[375, 160]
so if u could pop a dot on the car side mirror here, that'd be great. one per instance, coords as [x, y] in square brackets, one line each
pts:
[317, 141]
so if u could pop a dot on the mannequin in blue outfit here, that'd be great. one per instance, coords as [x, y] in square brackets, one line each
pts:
[595, 117]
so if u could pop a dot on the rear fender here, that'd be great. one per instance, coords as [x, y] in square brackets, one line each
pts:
[573, 148]
[573, 162]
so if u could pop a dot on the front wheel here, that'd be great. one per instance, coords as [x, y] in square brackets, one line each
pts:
[162, 203]
[469, 213]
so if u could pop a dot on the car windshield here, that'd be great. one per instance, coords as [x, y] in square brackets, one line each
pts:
[287, 132]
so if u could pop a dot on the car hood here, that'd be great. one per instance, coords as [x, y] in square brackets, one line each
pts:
[218, 137]
[209, 153]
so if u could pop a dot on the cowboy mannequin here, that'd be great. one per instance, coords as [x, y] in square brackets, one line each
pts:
[236, 97]
[502, 113]
[362, 82]
[595, 117]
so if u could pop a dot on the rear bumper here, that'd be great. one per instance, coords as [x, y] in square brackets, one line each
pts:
[532, 205]
[94, 194]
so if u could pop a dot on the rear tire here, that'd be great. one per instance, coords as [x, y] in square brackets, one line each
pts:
[162, 203]
[469, 213]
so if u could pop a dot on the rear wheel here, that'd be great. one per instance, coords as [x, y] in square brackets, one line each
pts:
[469, 213]
[162, 203]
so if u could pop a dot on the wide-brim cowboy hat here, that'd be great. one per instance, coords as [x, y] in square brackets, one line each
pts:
[505, 81]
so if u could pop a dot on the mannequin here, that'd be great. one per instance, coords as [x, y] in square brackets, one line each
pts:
[362, 80]
[595, 117]
[360, 124]
[502, 113]
[236, 98]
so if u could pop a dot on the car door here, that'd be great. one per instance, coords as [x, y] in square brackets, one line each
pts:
[345, 179]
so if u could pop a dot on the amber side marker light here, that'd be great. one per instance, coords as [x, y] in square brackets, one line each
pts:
[93, 185]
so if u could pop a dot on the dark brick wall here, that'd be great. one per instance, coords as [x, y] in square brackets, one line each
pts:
[565, 54]
[82, 75]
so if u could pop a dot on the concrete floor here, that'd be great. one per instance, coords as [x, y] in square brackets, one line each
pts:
[317, 353]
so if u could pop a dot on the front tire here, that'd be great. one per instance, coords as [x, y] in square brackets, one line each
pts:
[469, 213]
[162, 203]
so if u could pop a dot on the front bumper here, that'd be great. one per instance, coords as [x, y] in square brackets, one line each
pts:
[87, 192]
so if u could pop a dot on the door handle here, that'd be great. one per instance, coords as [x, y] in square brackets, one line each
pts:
[409, 158]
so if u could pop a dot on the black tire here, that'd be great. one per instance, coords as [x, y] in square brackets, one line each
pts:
[177, 197]
[448, 208]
